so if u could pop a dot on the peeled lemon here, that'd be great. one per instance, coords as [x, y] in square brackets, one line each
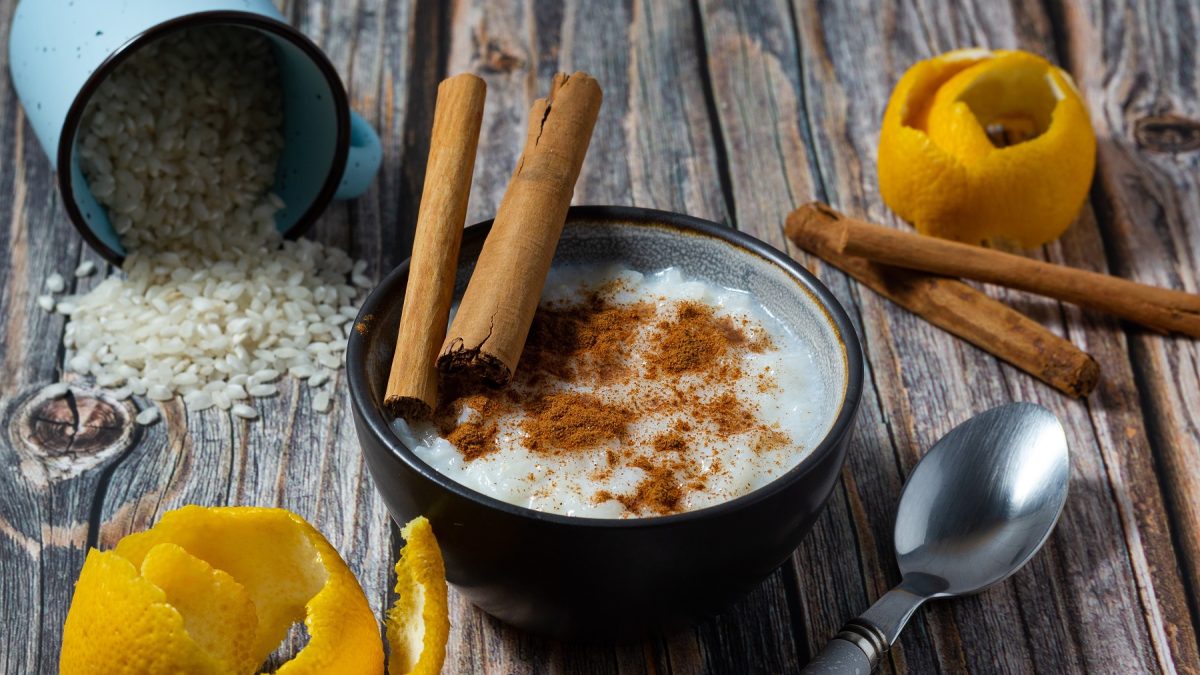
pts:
[986, 145]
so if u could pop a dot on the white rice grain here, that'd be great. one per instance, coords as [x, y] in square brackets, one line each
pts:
[265, 375]
[301, 372]
[201, 401]
[109, 380]
[321, 402]
[244, 411]
[147, 416]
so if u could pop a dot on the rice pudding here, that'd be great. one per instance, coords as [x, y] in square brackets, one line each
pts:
[636, 395]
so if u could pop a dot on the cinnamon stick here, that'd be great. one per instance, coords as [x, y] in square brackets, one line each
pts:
[488, 333]
[954, 307]
[1162, 309]
[458, 114]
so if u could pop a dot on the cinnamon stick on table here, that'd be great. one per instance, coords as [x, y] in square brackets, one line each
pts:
[457, 116]
[488, 333]
[954, 307]
[1162, 309]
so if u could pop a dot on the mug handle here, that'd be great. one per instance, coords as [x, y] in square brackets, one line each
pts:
[362, 161]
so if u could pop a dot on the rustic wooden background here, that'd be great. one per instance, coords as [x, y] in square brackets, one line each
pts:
[736, 112]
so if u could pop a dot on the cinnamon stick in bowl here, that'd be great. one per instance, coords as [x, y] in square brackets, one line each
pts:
[488, 333]
[457, 117]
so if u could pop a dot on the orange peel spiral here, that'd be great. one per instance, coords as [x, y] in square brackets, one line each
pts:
[941, 170]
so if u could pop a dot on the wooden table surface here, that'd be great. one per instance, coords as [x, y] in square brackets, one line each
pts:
[736, 112]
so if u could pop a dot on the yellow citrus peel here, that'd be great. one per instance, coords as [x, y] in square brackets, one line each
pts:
[418, 625]
[941, 169]
[215, 590]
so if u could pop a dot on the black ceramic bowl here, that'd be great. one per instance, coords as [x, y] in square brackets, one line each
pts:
[597, 579]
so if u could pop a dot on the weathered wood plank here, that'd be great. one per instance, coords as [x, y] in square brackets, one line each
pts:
[753, 61]
[604, 178]
[44, 521]
[1136, 64]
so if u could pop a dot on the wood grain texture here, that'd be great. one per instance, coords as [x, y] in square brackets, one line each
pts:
[732, 111]
[1146, 111]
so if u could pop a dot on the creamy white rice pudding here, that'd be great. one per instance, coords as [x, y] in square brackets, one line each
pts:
[636, 395]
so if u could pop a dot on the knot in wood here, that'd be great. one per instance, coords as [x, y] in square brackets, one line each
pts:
[1167, 133]
[69, 434]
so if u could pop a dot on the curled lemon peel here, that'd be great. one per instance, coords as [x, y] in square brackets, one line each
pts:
[214, 590]
[418, 625]
[941, 170]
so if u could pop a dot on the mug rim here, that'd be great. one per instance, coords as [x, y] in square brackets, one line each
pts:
[373, 418]
[74, 116]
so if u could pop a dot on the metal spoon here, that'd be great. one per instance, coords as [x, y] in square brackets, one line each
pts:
[976, 508]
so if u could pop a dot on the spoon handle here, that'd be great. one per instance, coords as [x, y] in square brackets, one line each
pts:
[863, 641]
[856, 650]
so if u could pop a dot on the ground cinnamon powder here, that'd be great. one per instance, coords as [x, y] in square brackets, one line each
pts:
[660, 491]
[675, 440]
[693, 340]
[577, 346]
[567, 421]
[474, 439]
[729, 414]
[476, 436]
[588, 341]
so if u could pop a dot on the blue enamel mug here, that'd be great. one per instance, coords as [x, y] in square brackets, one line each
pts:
[61, 50]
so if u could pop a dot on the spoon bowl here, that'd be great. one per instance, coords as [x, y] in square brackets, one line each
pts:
[983, 500]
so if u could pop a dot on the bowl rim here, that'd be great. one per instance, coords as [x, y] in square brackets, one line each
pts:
[375, 421]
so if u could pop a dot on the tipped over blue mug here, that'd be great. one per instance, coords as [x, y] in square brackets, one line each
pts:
[61, 50]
